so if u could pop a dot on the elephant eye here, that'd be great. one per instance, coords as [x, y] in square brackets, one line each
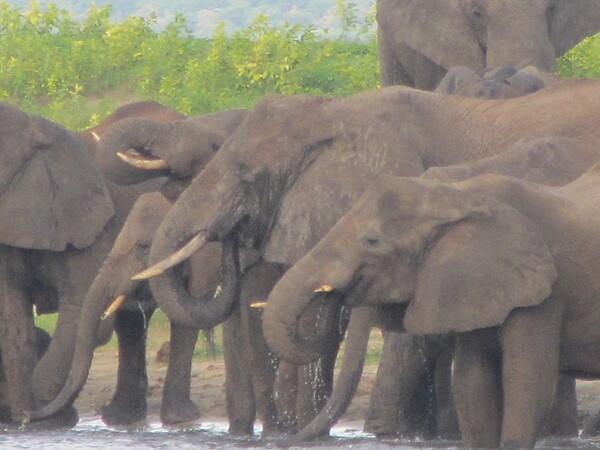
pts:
[371, 241]
[143, 245]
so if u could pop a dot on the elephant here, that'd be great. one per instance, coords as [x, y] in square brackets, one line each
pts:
[55, 208]
[250, 373]
[296, 164]
[548, 160]
[138, 149]
[504, 265]
[420, 40]
[428, 411]
[70, 272]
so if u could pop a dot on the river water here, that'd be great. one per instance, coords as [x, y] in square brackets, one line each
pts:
[91, 433]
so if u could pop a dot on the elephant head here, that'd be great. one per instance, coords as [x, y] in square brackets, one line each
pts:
[136, 149]
[149, 109]
[419, 40]
[262, 183]
[455, 261]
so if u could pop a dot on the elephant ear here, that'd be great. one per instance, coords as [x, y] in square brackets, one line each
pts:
[55, 196]
[478, 271]
[571, 21]
[437, 29]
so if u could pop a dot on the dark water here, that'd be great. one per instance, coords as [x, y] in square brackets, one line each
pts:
[93, 434]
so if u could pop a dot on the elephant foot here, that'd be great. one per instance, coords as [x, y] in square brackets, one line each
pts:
[591, 426]
[123, 413]
[240, 428]
[181, 411]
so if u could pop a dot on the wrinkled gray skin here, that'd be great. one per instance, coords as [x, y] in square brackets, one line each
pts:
[417, 402]
[51, 371]
[506, 265]
[296, 163]
[252, 375]
[53, 211]
[552, 161]
[184, 145]
[420, 40]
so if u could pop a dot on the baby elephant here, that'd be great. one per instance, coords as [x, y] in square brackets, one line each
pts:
[506, 265]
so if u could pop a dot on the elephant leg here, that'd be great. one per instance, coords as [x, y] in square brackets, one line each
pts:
[477, 389]
[402, 398]
[258, 282]
[128, 404]
[529, 371]
[17, 339]
[239, 393]
[563, 419]
[177, 406]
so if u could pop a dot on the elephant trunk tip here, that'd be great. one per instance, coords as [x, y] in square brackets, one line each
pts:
[64, 399]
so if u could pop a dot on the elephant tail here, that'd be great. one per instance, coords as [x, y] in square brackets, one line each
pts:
[353, 362]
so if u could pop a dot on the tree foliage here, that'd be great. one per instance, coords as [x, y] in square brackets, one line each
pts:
[76, 71]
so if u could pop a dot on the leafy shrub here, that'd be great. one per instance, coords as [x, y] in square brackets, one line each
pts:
[77, 71]
[69, 70]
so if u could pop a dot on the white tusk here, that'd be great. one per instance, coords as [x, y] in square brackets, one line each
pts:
[137, 160]
[178, 257]
[95, 136]
[324, 288]
[258, 305]
[117, 302]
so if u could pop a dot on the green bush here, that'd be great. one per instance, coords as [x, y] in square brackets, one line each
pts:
[76, 72]
[583, 60]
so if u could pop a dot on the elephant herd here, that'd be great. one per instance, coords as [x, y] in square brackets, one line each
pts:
[454, 208]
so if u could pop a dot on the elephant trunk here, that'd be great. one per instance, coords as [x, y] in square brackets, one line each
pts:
[135, 133]
[94, 305]
[353, 361]
[298, 331]
[198, 208]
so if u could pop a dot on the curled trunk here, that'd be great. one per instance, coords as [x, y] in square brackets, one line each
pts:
[171, 289]
[132, 133]
[87, 331]
[299, 331]
[348, 378]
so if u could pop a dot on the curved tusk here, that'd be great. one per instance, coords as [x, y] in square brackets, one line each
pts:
[95, 136]
[258, 305]
[324, 288]
[178, 257]
[116, 304]
[139, 161]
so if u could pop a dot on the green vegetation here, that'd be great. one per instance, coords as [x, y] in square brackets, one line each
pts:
[76, 72]
[583, 60]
